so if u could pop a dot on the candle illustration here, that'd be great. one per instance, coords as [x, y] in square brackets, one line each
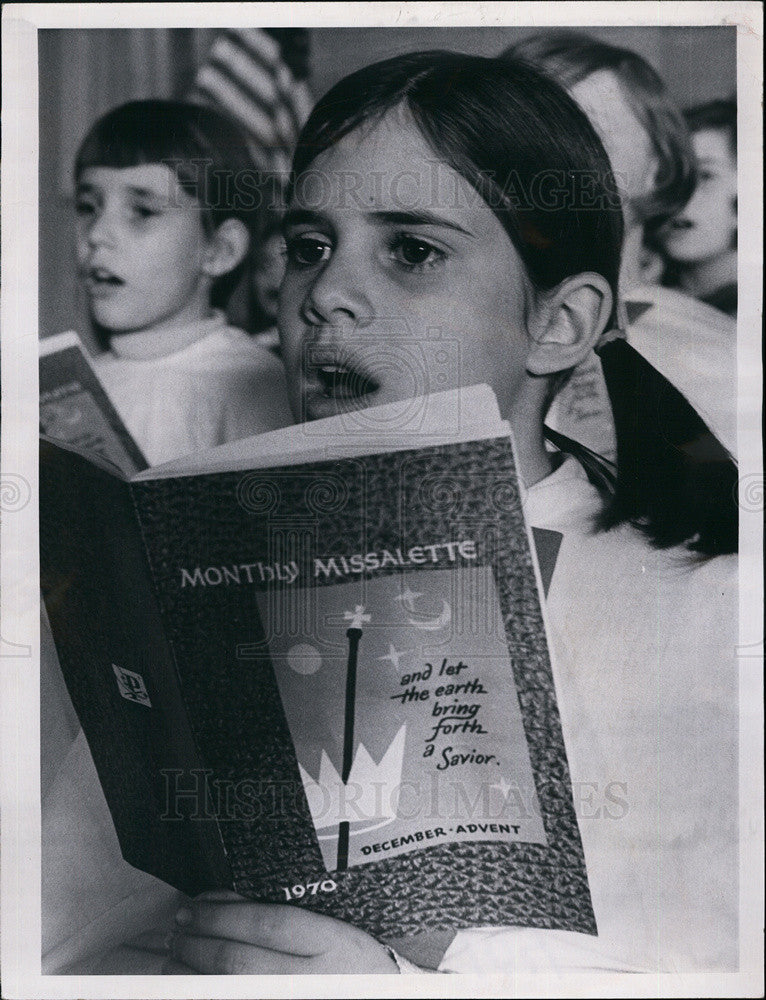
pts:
[357, 618]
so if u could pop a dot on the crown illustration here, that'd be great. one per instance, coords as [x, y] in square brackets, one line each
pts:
[368, 795]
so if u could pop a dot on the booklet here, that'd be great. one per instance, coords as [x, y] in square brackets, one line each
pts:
[75, 408]
[312, 667]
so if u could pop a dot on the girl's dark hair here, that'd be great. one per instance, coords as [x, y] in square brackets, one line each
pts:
[718, 116]
[509, 131]
[202, 146]
[675, 480]
[569, 57]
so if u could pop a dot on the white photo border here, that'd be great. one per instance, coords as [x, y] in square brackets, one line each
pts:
[19, 623]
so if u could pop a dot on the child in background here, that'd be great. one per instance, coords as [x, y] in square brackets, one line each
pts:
[267, 266]
[267, 277]
[165, 193]
[700, 243]
[642, 129]
[650, 149]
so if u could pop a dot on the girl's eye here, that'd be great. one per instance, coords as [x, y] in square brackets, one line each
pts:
[307, 251]
[415, 253]
[85, 208]
[144, 211]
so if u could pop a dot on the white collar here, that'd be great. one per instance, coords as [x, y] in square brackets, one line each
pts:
[564, 499]
[141, 346]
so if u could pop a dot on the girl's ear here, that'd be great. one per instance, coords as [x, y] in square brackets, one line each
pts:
[226, 248]
[568, 322]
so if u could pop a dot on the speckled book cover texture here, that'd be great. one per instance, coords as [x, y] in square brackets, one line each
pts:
[326, 685]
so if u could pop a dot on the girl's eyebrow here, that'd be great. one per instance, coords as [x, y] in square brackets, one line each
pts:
[142, 192]
[303, 216]
[418, 218]
[300, 217]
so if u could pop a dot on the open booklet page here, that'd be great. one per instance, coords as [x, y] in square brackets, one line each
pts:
[454, 415]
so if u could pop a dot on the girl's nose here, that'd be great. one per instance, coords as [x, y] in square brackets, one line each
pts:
[339, 293]
[101, 229]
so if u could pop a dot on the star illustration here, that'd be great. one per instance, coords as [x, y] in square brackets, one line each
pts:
[394, 656]
[407, 597]
[503, 786]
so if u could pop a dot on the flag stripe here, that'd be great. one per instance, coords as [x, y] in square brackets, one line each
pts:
[257, 44]
[226, 93]
[269, 81]
[263, 110]
[258, 78]
[246, 75]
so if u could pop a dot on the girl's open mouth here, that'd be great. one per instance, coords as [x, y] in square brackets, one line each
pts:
[100, 281]
[343, 382]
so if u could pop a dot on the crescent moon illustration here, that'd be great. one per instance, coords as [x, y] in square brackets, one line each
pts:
[433, 624]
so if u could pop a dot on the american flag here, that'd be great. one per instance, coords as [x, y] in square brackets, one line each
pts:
[258, 76]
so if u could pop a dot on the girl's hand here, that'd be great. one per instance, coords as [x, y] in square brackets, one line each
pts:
[223, 934]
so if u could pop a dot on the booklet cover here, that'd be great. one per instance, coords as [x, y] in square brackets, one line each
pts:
[75, 408]
[325, 684]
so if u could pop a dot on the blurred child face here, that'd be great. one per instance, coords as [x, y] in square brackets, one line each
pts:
[400, 280]
[627, 144]
[707, 227]
[267, 276]
[630, 152]
[141, 248]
